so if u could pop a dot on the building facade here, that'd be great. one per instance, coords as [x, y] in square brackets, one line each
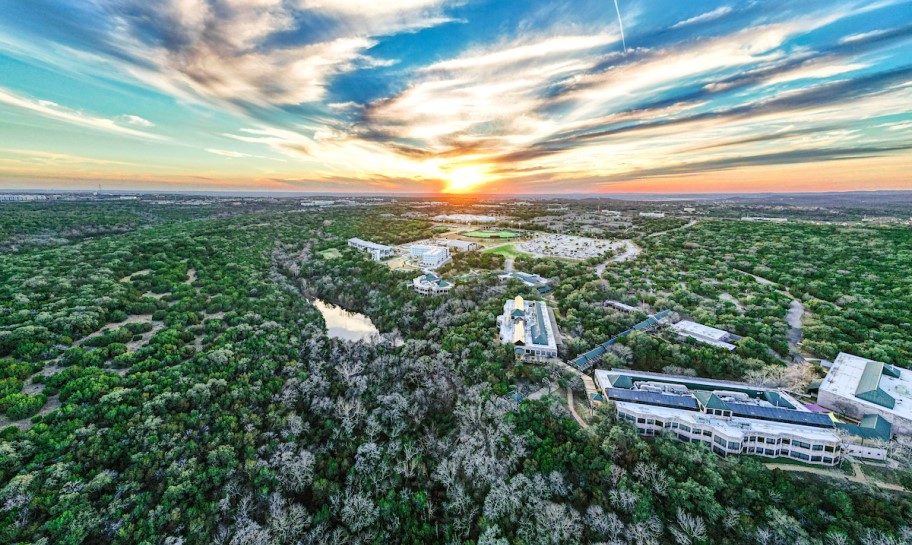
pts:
[731, 418]
[456, 245]
[431, 284]
[376, 251]
[428, 256]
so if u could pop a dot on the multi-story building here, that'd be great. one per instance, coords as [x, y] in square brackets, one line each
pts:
[528, 326]
[428, 256]
[376, 251]
[858, 387]
[730, 417]
[431, 284]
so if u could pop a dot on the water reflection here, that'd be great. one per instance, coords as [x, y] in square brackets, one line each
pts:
[342, 324]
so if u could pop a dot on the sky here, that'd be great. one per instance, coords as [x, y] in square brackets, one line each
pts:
[459, 96]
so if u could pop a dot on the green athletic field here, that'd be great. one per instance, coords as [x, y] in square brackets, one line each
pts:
[491, 234]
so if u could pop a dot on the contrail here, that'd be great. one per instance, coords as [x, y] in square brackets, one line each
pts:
[620, 24]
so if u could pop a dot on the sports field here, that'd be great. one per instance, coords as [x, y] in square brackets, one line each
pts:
[507, 250]
[490, 234]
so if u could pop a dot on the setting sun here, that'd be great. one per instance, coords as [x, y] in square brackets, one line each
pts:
[465, 179]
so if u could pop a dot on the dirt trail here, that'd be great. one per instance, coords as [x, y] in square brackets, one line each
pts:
[134, 319]
[570, 406]
[137, 273]
[794, 317]
[687, 225]
[857, 477]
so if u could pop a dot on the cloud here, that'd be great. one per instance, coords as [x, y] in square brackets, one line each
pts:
[248, 55]
[47, 157]
[349, 91]
[135, 120]
[227, 153]
[55, 111]
[767, 159]
[717, 13]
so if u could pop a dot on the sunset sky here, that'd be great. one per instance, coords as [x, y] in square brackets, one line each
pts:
[456, 96]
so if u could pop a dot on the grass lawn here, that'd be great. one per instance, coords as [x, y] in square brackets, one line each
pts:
[490, 234]
[881, 473]
[331, 253]
[507, 250]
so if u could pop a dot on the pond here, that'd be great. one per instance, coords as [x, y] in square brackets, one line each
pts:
[342, 324]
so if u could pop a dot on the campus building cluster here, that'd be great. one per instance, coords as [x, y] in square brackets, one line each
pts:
[861, 388]
[730, 417]
[376, 251]
[530, 328]
[431, 284]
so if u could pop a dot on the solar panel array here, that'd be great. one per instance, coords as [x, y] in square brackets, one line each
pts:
[781, 415]
[652, 398]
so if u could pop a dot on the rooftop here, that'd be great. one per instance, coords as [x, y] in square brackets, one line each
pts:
[525, 278]
[527, 322]
[871, 384]
[369, 244]
[700, 330]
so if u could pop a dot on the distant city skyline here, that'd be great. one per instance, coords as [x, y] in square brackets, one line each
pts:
[426, 96]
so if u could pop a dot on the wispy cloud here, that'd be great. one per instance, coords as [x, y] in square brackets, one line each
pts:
[717, 13]
[53, 110]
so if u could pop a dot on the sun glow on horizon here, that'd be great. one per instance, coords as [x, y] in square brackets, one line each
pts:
[465, 179]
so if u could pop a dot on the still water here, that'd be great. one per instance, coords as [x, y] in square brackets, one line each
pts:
[342, 324]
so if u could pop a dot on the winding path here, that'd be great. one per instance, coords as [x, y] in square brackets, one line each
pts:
[857, 477]
[794, 317]
[631, 251]
[691, 223]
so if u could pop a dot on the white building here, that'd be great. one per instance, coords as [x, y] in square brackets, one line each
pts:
[431, 284]
[528, 326]
[730, 417]
[456, 245]
[22, 197]
[652, 214]
[467, 218]
[704, 334]
[376, 251]
[426, 255]
[761, 218]
[859, 387]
